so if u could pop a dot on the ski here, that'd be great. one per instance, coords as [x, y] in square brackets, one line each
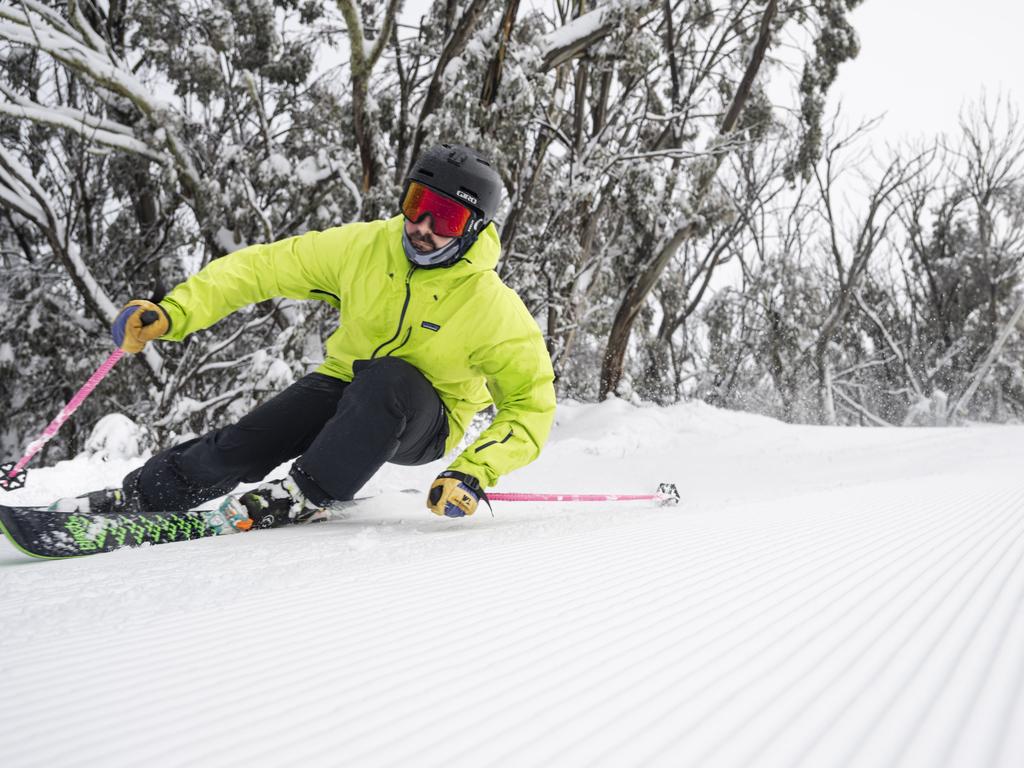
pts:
[50, 535]
[54, 535]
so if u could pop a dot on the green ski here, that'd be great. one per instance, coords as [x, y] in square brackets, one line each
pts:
[50, 534]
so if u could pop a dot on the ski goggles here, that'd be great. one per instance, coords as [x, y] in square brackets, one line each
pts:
[450, 218]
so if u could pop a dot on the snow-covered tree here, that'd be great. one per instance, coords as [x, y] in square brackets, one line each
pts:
[669, 226]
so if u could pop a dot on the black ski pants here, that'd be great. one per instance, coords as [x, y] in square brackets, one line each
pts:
[342, 432]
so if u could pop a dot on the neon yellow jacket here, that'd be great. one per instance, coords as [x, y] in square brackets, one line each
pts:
[468, 333]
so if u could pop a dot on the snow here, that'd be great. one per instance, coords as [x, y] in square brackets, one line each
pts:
[229, 240]
[102, 131]
[313, 170]
[276, 164]
[822, 597]
[48, 33]
[578, 29]
[115, 436]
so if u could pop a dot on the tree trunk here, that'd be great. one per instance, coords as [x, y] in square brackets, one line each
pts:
[638, 290]
[492, 80]
[454, 46]
[993, 354]
[362, 63]
[826, 401]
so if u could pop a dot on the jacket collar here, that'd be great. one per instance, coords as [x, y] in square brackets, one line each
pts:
[481, 257]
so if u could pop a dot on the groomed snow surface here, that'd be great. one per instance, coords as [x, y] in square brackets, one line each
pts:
[822, 597]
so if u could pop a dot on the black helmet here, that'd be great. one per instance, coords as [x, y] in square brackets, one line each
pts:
[464, 175]
[461, 173]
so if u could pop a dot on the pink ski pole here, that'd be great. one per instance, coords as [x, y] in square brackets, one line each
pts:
[667, 494]
[13, 475]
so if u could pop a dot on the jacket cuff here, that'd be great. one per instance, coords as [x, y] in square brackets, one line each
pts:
[175, 320]
[487, 476]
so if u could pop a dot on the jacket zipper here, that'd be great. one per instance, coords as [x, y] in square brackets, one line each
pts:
[401, 317]
[489, 443]
[326, 293]
[408, 333]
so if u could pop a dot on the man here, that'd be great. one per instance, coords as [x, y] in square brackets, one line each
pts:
[428, 336]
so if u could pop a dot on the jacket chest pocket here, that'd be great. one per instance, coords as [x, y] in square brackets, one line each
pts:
[377, 310]
[437, 351]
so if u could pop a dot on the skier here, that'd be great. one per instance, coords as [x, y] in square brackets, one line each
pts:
[428, 336]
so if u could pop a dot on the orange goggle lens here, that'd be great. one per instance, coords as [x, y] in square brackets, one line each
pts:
[449, 217]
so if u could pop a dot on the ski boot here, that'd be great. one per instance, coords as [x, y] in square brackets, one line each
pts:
[109, 501]
[271, 505]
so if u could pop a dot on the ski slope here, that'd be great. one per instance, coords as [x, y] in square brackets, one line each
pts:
[822, 597]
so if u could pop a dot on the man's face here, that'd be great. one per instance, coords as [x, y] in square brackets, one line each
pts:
[422, 236]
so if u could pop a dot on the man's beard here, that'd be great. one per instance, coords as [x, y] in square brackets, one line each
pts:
[435, 257]
[424, 246]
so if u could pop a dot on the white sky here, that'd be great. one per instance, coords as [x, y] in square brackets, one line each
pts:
[920, 60]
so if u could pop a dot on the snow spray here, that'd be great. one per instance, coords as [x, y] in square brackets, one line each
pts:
[13, 475]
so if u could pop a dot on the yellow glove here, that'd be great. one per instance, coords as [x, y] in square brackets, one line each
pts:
[138, 322]
[455, 494]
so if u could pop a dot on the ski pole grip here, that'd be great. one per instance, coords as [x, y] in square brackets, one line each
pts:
[149, 317]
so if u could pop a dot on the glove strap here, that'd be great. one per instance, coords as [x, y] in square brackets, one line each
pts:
[150, 316]
[470, 482]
